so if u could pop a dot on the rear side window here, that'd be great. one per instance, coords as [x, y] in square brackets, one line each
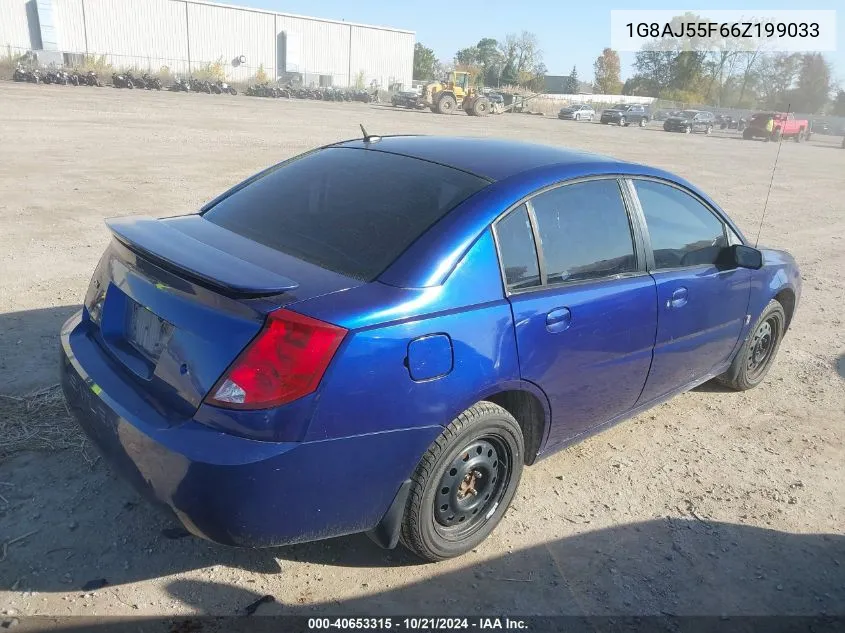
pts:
[347, 210]
[683, 231]
[584, 231]
[517, 249]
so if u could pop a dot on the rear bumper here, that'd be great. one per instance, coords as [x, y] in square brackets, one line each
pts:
[229, 489]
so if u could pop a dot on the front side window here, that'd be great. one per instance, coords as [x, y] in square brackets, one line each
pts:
[517, 250]
[584, 231]
[683, 231]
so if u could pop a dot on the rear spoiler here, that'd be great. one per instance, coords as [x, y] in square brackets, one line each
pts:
[170, 248]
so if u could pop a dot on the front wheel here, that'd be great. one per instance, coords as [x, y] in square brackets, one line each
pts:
[755, 357]
[464, 483]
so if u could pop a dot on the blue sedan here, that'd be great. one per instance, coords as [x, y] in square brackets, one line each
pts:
[378, 335]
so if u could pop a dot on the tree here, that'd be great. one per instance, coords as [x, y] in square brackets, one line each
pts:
[777, 77]
[425, 62]
[813, 83]
[467, 56]
[838, 108]
[572, 84]
[509, 75]
[608, 70]
[490, 59]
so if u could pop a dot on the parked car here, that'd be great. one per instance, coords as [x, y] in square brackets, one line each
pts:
[303, 359]
[407, 99]
[727, 122]
[625, 114]
[772, 126]
[689, 121]
[577, 113]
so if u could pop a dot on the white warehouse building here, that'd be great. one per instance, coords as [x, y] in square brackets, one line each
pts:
[188, 35]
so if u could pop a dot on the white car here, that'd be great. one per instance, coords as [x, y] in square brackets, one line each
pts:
[577, 113]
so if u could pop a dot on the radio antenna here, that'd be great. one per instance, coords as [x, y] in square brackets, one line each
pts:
[772, 180]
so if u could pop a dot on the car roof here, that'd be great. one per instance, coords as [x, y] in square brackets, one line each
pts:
[493, 159]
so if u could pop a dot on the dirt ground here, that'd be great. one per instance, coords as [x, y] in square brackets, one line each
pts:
[714, 503]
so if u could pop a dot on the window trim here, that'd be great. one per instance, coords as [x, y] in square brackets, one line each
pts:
[640, 252]
[652, 268]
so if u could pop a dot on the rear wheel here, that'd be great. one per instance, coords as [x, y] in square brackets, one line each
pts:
[709, 130]
[643, 122]
[755, 357]
[464, 483]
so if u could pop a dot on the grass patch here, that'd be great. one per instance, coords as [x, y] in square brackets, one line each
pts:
[39, 421]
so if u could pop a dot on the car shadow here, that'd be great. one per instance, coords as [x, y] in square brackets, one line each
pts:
[29, 344]
[665, 567]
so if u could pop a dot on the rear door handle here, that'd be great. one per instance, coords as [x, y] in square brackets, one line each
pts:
[678, 299]
[558, 320]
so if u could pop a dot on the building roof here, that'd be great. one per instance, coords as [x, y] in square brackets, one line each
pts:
[295, 15]
[494, 159]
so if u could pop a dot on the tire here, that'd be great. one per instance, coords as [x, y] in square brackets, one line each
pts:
[708, 130]
[622, 121]
[446, 104]
[755, 357]
[438, 525]
[481, 106]
[643, 122]
[688, 130]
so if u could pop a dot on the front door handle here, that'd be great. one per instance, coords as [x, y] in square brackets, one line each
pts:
[678, 299]
[558, 320]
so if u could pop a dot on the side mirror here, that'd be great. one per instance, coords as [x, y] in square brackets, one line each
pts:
[741, 256]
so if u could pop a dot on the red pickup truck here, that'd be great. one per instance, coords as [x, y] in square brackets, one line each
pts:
[776, 125]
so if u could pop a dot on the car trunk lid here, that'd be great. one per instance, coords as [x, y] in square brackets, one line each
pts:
[182, 297]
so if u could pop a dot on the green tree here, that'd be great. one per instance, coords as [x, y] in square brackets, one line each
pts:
[572, 84]
[509, 74]
[838, 108]
[814, 83]
[425, 62]
[608, 69]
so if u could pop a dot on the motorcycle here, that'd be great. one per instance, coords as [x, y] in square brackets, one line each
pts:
[151, 83]
[122, 81]
[225, 88]
[180, 85]
[22, 74]
[59, 77]
[199, 85]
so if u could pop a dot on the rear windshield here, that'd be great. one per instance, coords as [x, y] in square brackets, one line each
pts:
[348, 210]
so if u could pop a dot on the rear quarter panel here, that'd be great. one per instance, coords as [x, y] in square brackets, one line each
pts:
[368, 387]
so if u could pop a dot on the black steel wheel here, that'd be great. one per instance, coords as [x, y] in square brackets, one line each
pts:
[464, 483]
[754, 359]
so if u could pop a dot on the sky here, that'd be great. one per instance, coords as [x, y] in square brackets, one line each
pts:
[570, 33]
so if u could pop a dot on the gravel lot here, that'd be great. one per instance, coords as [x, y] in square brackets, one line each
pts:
[714, 503]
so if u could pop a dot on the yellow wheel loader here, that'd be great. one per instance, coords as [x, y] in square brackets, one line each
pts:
[457, 92]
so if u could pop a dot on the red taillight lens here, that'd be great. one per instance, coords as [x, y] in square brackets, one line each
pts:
[284, 362]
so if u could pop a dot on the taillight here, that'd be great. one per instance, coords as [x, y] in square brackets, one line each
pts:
[284, 362]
